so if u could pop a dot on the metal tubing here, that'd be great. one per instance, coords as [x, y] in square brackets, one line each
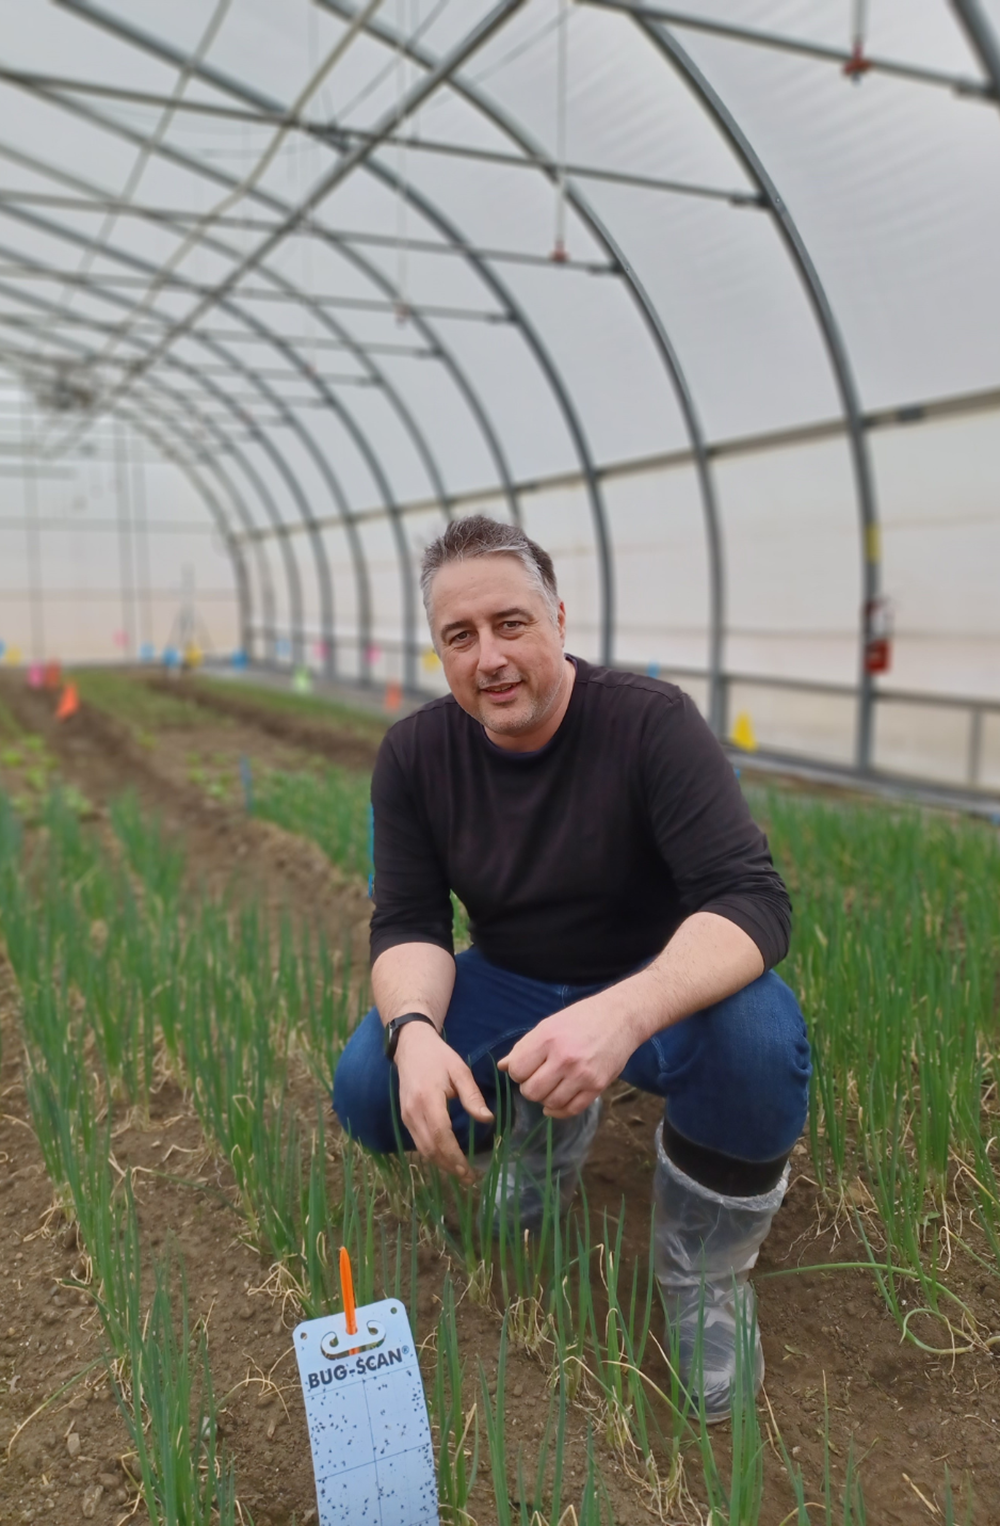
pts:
[982, 39]
[244, 601]
[975, 747]
[200, 420]
[55, 82]
[71, 235]
[339, 173]
[36, 608]
[233, 546]
[717, 109]
[126, 556]
[318, 547]
[652, 320]
[372, 273]
[784, 44]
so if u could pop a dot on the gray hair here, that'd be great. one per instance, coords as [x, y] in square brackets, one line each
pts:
[477, 535]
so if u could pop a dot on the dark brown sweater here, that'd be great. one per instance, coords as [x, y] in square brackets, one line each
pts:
[577, 862]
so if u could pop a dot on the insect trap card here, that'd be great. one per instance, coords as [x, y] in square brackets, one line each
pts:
[368, 1427]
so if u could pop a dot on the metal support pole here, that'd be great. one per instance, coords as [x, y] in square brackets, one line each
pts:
[975, 747]
[126, 562]
[658, 333]
[341, 171]
[982, 39]
[32, 538]
[143, 570]
[871, 550]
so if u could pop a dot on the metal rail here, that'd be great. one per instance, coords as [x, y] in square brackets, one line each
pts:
[781, 43]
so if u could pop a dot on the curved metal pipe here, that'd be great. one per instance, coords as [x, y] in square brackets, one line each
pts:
[142, 426]
[244, 598]
[647, 309]
[717, 109]
[225, 444]
[235, 87]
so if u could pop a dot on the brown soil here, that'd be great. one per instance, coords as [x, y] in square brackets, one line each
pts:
[352, 749]
[828, 1339]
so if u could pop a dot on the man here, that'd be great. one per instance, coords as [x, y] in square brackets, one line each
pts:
[625, 916]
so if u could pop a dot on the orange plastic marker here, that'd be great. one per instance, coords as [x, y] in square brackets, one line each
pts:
[69, 703]
[347, 1290]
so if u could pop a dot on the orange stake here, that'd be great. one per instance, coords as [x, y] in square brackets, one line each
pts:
[347, 1289]
[69, 703]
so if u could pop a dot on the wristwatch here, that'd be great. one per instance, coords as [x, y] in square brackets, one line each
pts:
[391, 1033]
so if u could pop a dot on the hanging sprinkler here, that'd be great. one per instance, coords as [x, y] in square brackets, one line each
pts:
[858, 64]
[559, 254]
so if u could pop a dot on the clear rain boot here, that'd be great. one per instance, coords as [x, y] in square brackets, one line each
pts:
[705, 1246]
[524, 1160]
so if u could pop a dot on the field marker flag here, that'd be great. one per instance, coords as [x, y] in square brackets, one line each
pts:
[743, 734]
[69, 703]
[367, 1415]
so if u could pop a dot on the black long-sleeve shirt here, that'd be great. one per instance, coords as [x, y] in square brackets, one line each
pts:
[576, 862]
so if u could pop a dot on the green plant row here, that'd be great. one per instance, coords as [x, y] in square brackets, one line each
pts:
[157, 1363]
[115, 966]
[896, 959]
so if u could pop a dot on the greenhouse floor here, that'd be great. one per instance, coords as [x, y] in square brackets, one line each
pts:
[842, 1388]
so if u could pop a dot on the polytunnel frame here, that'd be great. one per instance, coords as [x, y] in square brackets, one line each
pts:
[980, 36]
[442, 351]
[226, 443]
[441, 70]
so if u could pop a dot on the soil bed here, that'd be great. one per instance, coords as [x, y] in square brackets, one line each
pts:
[831, 1347]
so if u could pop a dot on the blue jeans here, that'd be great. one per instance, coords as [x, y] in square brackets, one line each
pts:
[735, 1077]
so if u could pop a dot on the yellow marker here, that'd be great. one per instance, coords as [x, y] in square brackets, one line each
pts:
[430, 661]
[743, 734]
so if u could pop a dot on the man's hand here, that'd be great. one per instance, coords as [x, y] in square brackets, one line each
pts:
[430, 1074]
[568, 1059]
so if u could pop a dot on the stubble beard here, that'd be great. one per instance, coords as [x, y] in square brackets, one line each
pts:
[504, 723]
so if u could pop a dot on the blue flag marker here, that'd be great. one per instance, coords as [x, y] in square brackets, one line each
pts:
[371, 1441]
[246, 779]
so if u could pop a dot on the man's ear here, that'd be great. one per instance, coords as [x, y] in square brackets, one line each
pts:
[561, 621]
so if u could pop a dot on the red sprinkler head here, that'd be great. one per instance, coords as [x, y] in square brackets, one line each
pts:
[857, 65]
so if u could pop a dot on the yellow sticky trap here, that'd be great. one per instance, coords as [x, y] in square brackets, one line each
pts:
[430, 661]
[743, 734]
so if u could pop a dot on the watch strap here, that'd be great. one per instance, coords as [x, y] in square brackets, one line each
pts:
[393, 1027]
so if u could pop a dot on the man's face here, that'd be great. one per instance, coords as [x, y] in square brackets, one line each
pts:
[501, 649]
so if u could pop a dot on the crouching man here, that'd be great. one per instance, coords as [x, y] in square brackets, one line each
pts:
[625, 916]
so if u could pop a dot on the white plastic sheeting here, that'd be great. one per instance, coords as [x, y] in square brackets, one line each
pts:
[661, 409]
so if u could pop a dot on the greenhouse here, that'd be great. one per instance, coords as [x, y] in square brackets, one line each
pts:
[707, 307]
[704, 300]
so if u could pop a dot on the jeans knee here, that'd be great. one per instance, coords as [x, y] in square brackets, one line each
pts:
[781, 1065]
[362, 1092]
[746, 1091]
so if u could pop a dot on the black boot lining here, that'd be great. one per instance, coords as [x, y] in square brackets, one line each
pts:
[721, 1173]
